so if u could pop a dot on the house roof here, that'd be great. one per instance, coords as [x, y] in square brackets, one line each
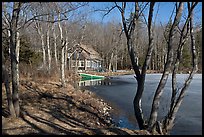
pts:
[89, 50]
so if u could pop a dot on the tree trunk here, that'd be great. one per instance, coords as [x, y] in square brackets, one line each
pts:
[55, 46]
[13, 56]
[76, 62]
[17, 55]
[43, 50]
[110, 63]
[63, 43]
[141, 78]
[121, 62]
[175, 103]
[129, 34]
[163, 80]
[5, 80]
[116, 62]
[65, 53]
[48, 50]
[70, 63]
[62, 67]
[40, 32]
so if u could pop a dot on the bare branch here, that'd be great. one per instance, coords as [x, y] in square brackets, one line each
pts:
[141, 79]
[163, 80]
[150, 34]
[141, 12]
[108, 11]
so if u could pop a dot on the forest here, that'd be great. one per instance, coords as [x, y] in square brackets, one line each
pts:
[40, 40]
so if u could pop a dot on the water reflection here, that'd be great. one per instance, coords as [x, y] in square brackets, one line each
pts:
[120, 96]
[94, 82]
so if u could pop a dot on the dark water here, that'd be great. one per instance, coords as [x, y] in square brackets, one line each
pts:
[119, 91]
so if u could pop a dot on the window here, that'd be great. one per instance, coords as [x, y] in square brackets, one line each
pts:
[88, 63]
[81, 64]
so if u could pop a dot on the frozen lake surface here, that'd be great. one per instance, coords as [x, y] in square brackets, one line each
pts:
[120, 92]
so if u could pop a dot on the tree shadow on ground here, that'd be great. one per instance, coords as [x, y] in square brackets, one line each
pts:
[53, 125]
[55, 110]
[67, 131]
[69, 100]
[5, 113]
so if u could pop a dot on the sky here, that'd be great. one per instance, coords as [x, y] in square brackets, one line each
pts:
[165, 10]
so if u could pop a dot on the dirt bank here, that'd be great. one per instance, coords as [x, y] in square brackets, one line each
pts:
[47, 108]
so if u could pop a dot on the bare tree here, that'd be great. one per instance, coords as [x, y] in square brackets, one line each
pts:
[13, 55]
[55, 44]
[160, 88]
[140, 75]
[176, 101]
[63, 43]
[172, 62]
[39, 28]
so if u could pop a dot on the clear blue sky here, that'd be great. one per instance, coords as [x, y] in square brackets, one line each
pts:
[165, 10]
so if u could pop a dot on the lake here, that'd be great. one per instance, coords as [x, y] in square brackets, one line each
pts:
[119, 92]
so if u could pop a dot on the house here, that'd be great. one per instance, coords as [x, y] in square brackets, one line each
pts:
[84, 57]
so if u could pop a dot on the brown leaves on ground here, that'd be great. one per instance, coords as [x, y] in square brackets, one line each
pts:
[46, 108]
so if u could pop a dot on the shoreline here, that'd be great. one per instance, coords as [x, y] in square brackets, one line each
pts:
[47, 109]
[127, 72]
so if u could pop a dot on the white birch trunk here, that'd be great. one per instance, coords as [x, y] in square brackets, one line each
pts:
[76, 61]
[17, 56]
[62, 53]
[48, 50]
[111, 60]
[39, 30]
[65, 54]
[43, 49]
[116, 63]
[9, 35]
[62, 67]
[55, 46]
